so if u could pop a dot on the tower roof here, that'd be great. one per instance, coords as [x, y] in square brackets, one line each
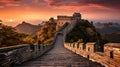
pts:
[76, 15]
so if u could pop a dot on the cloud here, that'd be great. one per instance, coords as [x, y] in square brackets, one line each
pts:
[1, 6]
[12, 5]
[113, 4]
[8, 0]
[9, 3]
[15, 3]
[57, 2]
[82, 7]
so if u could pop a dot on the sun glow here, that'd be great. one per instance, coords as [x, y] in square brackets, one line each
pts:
[11, 20]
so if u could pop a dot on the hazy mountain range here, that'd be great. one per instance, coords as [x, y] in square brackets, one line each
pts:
[109, 30]
[27, 28]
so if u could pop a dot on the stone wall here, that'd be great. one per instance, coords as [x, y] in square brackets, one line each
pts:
[21, 53]
[109, 58]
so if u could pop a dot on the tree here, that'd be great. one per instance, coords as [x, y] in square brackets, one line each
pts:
[47, 32]
[9, 36]
[29, 40]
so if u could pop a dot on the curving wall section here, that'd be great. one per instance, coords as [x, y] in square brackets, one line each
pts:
[109, 58]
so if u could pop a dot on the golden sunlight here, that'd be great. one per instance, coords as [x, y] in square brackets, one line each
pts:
[11, 20]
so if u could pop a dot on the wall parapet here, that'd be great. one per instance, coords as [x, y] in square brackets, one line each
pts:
[21, 53]
[109, 58]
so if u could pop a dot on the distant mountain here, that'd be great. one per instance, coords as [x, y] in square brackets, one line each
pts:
[27, 28]
[107, 28]
[111, 31]
[113, 37]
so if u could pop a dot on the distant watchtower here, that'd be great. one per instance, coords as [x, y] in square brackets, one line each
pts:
[77, 16]
[61, 20]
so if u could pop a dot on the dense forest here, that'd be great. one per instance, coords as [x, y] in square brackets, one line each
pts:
[9, 37]
[47, 32]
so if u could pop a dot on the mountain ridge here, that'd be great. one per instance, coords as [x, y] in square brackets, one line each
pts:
[27, 28]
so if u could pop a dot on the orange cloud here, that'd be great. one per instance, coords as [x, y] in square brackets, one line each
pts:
[83, 7]
[113, 4]
[1, 6]
[10, 4]
[8, 0]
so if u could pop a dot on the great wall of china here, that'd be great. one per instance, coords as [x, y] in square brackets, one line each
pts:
[21, 53]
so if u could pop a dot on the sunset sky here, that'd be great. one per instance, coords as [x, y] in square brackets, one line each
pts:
[13, 12]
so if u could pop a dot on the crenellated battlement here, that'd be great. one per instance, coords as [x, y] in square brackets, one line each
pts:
[110, 57]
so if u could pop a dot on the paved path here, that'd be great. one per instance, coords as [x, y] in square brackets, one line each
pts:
[60, 57]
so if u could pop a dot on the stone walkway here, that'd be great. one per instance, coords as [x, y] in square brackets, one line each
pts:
[60, 57]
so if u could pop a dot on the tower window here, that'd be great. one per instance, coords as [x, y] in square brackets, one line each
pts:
[88, 56]
[88, 49]
[78, 45]
[111, 54]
